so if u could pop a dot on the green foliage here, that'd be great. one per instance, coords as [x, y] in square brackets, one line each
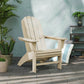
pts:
[2, 60]
[6, 48]
[11, 45]
[76, 37]
[79, 15]
[3, 32]
[6, 11]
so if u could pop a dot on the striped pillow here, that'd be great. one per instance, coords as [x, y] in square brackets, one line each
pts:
[66, 51]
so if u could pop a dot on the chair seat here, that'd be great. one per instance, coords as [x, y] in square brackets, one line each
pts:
[48, 50]
[48, 53]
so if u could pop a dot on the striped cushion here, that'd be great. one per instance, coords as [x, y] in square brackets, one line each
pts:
[66, 51]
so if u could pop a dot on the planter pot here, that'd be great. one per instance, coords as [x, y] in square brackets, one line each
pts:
[79, 22]
[8, 58]
[76, 40]
[3, 66]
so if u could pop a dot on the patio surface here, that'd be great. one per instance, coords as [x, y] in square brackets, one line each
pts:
[72, 73]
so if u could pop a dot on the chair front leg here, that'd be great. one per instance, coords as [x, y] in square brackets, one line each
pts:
[59, 66]
[34, 64]
[33, 48]
[24, 59]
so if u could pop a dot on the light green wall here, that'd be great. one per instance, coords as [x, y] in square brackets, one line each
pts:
[54, 15]
[14, 23]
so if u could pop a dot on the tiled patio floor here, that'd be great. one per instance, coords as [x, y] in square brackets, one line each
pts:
[72, 73]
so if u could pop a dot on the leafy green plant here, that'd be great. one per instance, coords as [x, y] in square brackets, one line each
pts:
[77, 37]
[6, 11]
[79, 15]
[2, 60]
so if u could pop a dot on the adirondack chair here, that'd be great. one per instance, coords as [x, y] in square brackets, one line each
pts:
[35, 45]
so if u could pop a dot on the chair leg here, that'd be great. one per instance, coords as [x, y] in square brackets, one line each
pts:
[23, 60]
[60, 62]
[34, 65]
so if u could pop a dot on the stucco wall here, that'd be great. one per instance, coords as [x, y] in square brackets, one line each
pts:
[54, 15]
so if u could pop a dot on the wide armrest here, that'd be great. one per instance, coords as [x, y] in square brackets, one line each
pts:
[27, 40]
[54, 38]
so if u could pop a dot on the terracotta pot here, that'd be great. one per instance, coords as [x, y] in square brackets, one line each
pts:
[3, 66]
[8, 58]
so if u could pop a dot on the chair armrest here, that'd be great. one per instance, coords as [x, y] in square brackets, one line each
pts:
[27, 40]
[54, 38]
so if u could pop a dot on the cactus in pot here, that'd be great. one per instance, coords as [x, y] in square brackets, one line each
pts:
[6, 49]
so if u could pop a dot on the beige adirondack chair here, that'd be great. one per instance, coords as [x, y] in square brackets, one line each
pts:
[35, 45]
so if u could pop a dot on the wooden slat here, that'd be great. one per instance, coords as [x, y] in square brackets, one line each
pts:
[31, 32]
[55, 38]
[38, 34]
[47, 51]
[27, 31]
[35, 26]
[27, 40]
[35, 29]
[46, 63]
[47, 56]
[25, 35]
[41, 36]
[30, 29]
[27, 27]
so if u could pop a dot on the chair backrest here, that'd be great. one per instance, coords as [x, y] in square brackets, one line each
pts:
[32, 30]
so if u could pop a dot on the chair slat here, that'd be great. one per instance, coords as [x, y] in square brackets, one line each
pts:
[47, 55]
[41, 36]
[33, 31]
[36, 32]
[25, 35]
[30, 29]
[46, 63]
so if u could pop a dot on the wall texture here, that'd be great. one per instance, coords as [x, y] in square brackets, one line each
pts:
[54, 15]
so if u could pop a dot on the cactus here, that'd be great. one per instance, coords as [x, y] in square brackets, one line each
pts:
[2, 45]
[11, 45]
[6, 48]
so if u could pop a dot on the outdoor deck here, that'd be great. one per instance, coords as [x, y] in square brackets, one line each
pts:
[72, 73]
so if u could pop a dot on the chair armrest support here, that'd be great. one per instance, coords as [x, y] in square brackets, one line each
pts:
[27, 40]
[54, 38]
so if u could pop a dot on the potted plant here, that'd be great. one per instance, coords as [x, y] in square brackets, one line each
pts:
[79, 16]
[6, 49]
[3, 65]
[6, 45]
[76, 38]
